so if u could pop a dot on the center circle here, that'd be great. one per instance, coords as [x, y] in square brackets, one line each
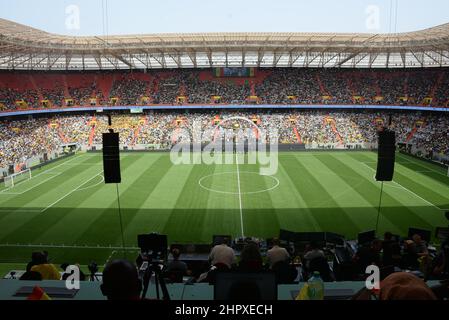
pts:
[257, 183]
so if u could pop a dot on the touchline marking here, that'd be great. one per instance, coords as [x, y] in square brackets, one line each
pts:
[406, 189]
[19, 210]
[84, 164]
[69, 193]
[240, 194]
[423, 166]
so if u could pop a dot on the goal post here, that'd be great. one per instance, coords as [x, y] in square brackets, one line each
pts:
[12, 180]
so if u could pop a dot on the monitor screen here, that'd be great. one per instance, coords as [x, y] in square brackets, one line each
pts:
[245, 286]
[220, 239]
[366, 237]
[442, 233]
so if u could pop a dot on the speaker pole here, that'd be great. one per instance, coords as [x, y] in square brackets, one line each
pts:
[380, 205]
[121, 222]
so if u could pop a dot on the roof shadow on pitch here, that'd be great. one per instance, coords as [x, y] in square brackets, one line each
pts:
[101, 241]
[198, 225]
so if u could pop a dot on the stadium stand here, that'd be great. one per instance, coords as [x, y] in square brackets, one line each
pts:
[272, 86]
[21, 140]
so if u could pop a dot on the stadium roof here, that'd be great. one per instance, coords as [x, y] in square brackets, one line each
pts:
[23, 47]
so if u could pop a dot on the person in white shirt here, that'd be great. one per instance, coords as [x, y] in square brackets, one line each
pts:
[222, 254]
[277, 253]
[313, 253]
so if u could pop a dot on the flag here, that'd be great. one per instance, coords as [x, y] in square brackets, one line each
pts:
[38, 294]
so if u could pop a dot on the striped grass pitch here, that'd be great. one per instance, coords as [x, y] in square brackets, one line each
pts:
[67, 208]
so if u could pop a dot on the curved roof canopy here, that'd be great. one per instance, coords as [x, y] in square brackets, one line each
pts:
[23, 47]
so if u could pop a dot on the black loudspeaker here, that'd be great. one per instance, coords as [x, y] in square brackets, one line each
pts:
[386, 155]
[111, 158]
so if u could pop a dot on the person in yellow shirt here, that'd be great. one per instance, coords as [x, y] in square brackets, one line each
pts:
[48, 271]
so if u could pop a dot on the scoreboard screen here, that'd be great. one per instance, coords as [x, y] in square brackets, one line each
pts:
[234, 72]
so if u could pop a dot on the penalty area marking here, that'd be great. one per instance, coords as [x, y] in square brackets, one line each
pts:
[31, 188]
[47, 171]
[69, 193]
[400, 186]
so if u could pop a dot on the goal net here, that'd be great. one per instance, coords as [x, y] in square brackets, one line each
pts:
[12, 180]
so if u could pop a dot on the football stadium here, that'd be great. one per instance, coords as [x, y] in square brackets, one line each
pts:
[269, 165]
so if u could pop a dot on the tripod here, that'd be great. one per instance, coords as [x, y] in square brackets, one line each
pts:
[154, 268]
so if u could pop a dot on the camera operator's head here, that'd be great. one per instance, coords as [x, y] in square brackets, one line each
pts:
[121, 281]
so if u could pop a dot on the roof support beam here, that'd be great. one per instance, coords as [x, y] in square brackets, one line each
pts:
[68, 58]
[403, 59]
[98, 61]
[192, 57]
[209, 57]
[387, 62]
[260, 55]
[122, 59]
[141, 61]
[419, 59]
[438, 62]
[372, 58]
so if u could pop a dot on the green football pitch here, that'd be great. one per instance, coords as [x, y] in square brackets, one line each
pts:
[67, 209]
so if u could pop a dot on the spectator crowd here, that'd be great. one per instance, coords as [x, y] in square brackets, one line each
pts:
[23, 139]
[426, 87]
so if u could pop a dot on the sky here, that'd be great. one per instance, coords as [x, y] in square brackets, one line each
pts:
[89, 18]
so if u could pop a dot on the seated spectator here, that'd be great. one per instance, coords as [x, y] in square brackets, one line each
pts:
[250, 258]
[410, 256]
[37, 257]
[391, 251]
[441, 262]
[176, 269]
[285, 272]
[47, 270]
[276, 254]
[312, 252]
[368, 255]
[121, 281]
[222, 253]
[420, 246]
[321, 265]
